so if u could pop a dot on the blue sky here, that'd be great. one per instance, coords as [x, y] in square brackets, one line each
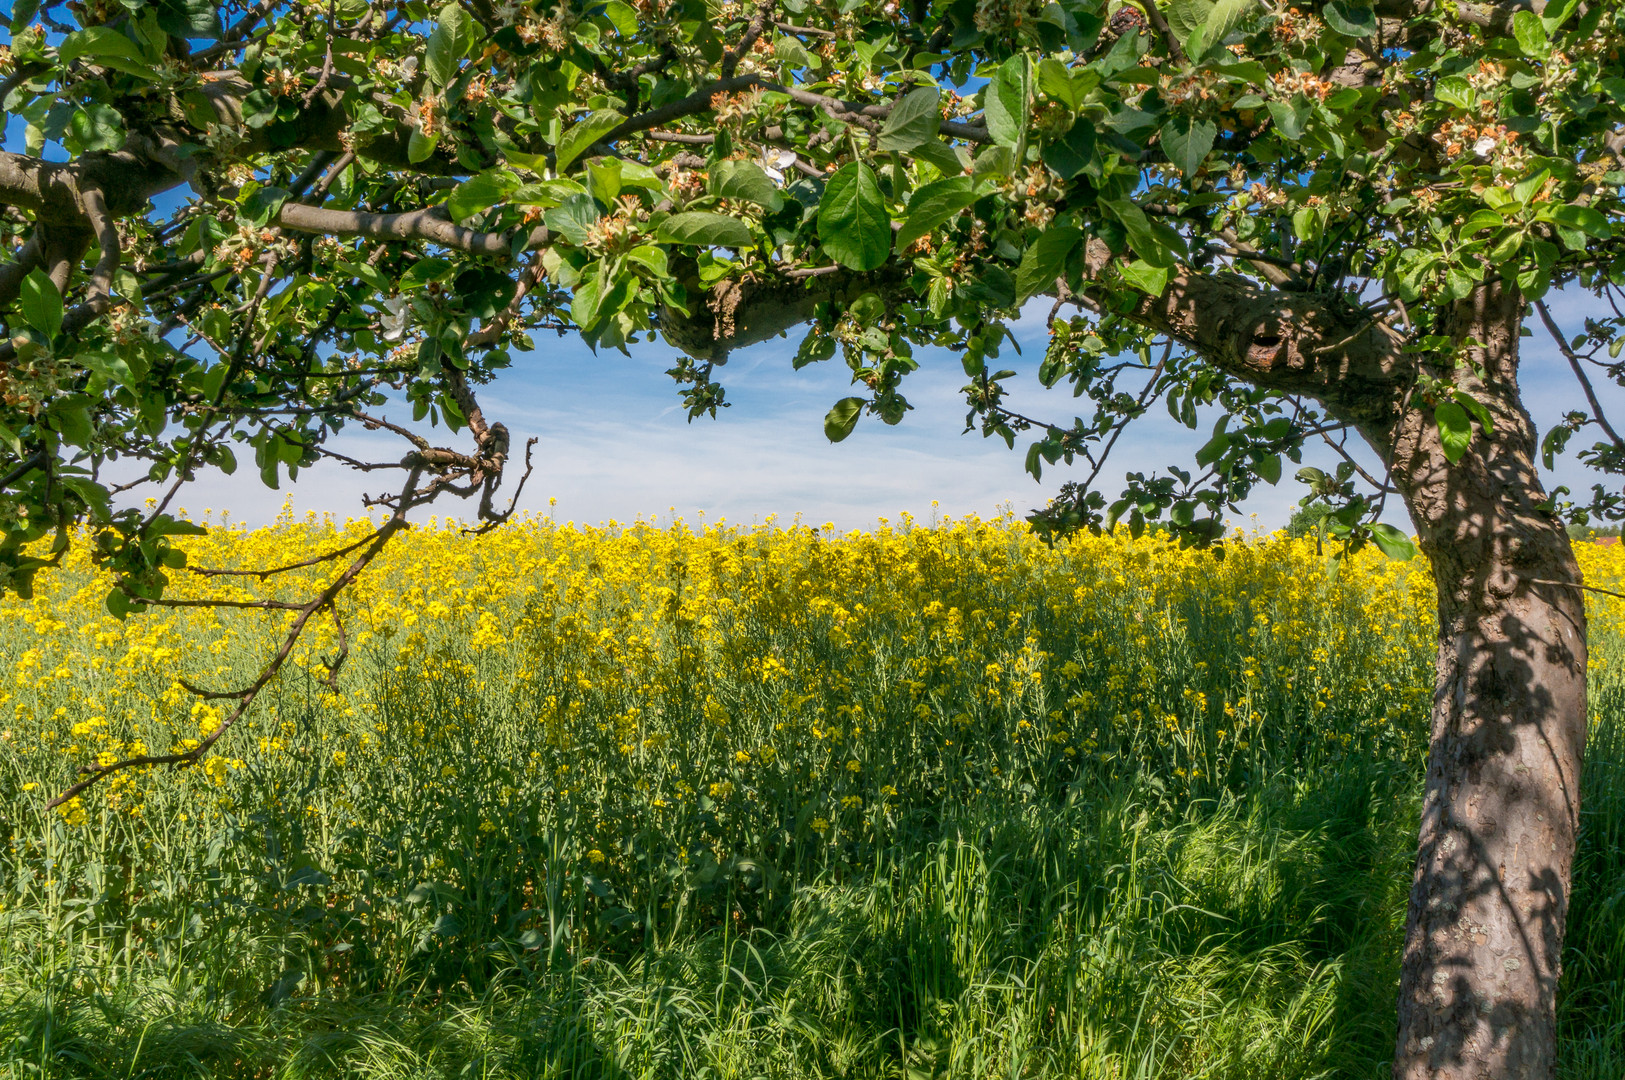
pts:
[615, 443]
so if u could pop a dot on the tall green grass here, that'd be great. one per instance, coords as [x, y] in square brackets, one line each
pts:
[1199, 871]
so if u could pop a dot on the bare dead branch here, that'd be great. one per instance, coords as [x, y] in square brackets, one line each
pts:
[314, 560]
[95, 773]
[1579, 373]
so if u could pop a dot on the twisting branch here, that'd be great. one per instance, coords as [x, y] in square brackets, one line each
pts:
[314, 560]
[246, 696]
[852, 112]
[1139, 407]
[1342, 451]
[730, 59]
[1154, 15]
[101, 278]
[327, 62]
[805, 31]
[1579, 373]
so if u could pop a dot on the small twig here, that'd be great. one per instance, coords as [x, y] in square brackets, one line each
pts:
[333, 665]
[1579, 373]
[809, 31]
[314, 560]
[327, 62]
[26, 466]
[1139, 405]
[1576, 585]
[804, 272]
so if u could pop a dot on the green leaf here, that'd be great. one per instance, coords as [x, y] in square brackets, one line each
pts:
[263, 204]
[452, 38]
[1138, 226]
[584, 303]
[839, 421]
[1220, 23]
[1531, 35]
[991, 285]
[422, 272]
[1008, 102]
[1526, 189]
[1392, 542]
[1045, 260]
[22, 13]
[934, 204]
[1481, 220]
[913, 120]
[1056, 81]
[1476, 407]
[747, 182]
[1289, 117]
[118, 604]
[853, 225]
[420, 146]
[1455, 90]
[1584, 218]
[1557, 13]
[1187, 142]
[109, 366]
[787, 50]
[1349, 18]
[580, 137]
[96, 127]
[107, 48]
[1151, 280]
[1455, 430]
[1074, 153]
[572, 218]
[622, 17]
[940, 154]
[1213, 449]
[479, 193]
[1306, 224]
[71, 417]
[705, 230]
[189, 18]
[1187, 17]
[41, 303]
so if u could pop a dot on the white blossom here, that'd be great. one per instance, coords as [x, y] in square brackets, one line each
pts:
[774, 162]
[394, 323]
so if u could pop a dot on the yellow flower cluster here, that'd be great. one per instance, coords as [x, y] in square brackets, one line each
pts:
[731, 686]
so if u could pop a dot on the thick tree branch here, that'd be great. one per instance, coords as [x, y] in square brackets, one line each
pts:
[432, 224]
[12, 273]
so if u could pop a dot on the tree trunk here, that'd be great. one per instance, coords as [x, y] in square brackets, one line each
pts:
[1484, 929]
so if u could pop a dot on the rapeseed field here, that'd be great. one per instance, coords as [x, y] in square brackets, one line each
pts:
[928, 800]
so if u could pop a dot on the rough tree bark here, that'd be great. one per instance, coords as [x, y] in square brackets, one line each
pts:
[1484, 929]
[1489, 899]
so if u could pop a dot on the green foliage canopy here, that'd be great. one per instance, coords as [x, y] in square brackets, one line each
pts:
[391, 198]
